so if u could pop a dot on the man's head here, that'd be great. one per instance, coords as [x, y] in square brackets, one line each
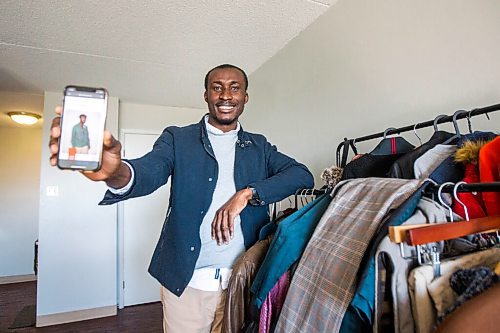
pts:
[226, 95]
[226, 66]
[83, 118]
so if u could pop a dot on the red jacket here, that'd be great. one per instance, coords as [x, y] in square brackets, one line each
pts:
[473, 202]
[489, 171]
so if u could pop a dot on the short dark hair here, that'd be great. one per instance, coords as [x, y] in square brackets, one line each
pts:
[226, 66]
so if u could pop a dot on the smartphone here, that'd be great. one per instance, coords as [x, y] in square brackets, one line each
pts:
[82, 128]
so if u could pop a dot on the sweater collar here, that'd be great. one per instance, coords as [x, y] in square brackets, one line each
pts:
[215, 131]
[244, 139]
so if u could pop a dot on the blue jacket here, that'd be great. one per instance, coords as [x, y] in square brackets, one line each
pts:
[289, 242]
[185, 153]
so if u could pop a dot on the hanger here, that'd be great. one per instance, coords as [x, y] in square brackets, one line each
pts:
[469, 122]
[445, 231]
[440, 198]
[391, 146]
[344, 147]
[459, 201]
[309, 196]
[436, 120]
[455, 125]
[387, 131]
[415, 131]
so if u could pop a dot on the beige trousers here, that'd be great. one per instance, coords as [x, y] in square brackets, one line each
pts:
[82, 150]
[195, 311]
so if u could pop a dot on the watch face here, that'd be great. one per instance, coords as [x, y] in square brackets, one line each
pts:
[255, 197]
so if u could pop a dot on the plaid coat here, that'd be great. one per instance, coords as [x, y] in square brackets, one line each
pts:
[324, 282]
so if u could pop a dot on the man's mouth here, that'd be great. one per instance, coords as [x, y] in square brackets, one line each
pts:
[225, 108]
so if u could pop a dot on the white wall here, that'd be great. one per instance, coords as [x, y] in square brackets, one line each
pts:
[156, 118]
[368, 65]
[77, 250]
[20, 149]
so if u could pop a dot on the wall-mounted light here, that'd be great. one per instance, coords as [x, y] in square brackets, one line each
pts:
[24, 118]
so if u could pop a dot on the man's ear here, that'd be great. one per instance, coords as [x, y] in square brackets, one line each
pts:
[205, 96]
[246, 98]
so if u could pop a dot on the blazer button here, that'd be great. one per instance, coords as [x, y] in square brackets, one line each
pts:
[209, 179]
[192, 248]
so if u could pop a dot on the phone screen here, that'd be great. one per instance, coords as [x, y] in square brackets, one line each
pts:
[82, 128]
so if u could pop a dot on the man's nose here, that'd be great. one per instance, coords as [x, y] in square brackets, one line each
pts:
[225, 94]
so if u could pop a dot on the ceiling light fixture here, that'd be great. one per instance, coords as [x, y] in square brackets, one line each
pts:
[24, 118]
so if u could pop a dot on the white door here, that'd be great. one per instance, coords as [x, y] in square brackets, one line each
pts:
[142, 219]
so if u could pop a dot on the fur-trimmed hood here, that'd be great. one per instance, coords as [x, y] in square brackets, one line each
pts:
[469, 152]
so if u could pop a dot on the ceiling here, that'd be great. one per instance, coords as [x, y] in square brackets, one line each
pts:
[152, 52]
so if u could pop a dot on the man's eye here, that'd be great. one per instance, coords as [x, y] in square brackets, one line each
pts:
[235, 88]
[217, 88]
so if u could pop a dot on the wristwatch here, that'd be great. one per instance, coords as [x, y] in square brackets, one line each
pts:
[255, 200]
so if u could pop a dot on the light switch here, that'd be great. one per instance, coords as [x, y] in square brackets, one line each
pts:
[52, 191]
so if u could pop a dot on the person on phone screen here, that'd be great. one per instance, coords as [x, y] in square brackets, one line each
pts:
[223, 179]
[80, 136]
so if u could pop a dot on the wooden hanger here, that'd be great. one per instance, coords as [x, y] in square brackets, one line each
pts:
[446, 231]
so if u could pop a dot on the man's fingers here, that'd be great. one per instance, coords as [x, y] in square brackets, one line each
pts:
[55, 133]
[53, 148]
[109, 141]
[217, 227]
[55, 128]
[213, 229]
[231, 225]
[53, 160]
[225, 226]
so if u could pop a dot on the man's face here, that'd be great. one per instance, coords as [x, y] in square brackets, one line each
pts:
[83, 119]
[226, 97]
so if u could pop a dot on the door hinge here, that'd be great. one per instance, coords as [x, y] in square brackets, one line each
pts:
[123, 284]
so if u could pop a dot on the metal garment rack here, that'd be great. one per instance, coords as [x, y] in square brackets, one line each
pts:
[470, 187]
[460, 114]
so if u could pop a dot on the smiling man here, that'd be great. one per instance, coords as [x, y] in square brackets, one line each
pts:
[223, 179]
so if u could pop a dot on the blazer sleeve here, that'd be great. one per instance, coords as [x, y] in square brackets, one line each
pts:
[286, 176]
[151, 170]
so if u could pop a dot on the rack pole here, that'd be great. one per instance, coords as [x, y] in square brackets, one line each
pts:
[460, 114]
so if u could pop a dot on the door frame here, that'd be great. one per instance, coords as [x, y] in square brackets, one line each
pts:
[120, 242]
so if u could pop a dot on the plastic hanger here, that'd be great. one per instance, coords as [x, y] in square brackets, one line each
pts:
[391, 146]
[436, 120]
[455, 125]
[387, 131]
[302, 197]
[344, 147]
[440, 198]
[469, 122]
[290, 202]
[415, 131]
[455, 188]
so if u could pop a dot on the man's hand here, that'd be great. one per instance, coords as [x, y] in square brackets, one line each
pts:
[112, 171]
[223, 223]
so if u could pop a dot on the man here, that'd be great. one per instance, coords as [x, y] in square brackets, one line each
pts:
[80, 136]
[223, 179]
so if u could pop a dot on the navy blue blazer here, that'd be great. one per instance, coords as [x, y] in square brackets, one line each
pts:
[185, 153]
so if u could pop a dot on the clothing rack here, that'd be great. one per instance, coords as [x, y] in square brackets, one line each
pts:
[460, 114]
